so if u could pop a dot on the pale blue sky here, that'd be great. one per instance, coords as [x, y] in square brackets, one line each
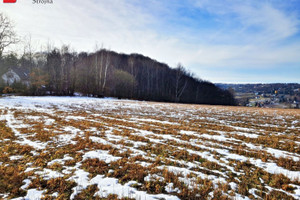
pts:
[234, 41]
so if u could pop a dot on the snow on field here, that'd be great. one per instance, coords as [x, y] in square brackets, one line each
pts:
[74, 147]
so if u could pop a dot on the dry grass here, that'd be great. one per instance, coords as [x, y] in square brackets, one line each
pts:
[190, 151]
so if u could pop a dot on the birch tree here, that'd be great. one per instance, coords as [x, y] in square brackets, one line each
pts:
[107, 63]
[180, 82]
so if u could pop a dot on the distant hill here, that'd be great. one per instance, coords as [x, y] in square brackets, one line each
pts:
[273, 95]
[280, 88]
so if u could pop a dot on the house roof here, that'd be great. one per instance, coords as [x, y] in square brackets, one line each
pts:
[22, 72]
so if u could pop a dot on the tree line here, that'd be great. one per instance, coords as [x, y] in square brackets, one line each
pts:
[107, 73]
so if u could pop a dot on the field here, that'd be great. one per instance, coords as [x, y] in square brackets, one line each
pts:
[87, 148]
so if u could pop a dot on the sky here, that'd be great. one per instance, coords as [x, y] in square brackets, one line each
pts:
[222, 41]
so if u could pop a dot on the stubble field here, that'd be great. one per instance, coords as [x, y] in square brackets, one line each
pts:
[87, 148]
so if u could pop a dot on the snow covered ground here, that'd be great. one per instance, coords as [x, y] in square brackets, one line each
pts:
[81, 148]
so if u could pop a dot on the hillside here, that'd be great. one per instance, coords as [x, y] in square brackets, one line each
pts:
[267, 88]
[91, 148]
[107, 73]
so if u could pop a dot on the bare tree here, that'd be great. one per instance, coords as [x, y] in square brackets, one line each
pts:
[180, 82]
[107, 63]
[7, 34]
[131, 65]
[28, 53]
[97, 71]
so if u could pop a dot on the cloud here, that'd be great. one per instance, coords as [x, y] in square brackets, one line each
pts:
[253, 21]
[272, 24]
[80, 23]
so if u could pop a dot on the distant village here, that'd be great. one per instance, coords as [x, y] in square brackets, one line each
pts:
[278, 95]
